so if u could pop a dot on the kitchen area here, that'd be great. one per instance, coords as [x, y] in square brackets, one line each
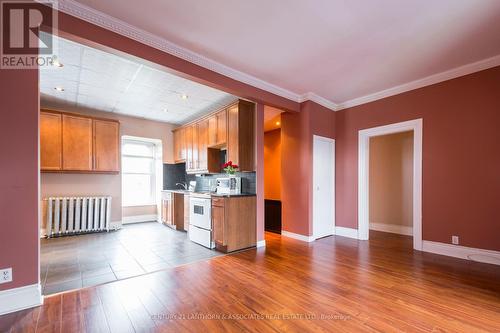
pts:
[210, 190]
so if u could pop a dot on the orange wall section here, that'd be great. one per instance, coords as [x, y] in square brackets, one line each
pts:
[272, 165]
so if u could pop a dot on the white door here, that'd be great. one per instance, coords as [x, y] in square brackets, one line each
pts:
[323, 187]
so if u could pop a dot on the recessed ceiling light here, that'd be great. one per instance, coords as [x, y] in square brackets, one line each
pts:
[165, 110]
[56, 63]
[59, 88]
[277, 123]
[184, 96]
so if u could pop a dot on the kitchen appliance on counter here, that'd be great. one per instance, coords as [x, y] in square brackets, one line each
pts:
[200, 220]
[229, 185]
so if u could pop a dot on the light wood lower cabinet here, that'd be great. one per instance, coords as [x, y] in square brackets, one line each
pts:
[75, 143]
[234, 222]
[172, 210]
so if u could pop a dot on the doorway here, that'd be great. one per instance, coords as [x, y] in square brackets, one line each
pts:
[323, 187]
[415, 127]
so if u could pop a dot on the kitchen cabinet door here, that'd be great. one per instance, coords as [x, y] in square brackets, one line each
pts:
[179, 146]
[188, 137]
[196, 157]
[50, 141]
[186, 212]
[106, 146]
[77, 143]
[218, 225]
[212, 131]
[232, 137]
[221, 128]
[203, 145]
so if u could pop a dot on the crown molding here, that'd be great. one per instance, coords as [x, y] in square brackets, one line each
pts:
[310, 96]
[420, 83]
[108, 22]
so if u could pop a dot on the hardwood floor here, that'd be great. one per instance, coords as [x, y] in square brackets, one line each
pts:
[333, 284]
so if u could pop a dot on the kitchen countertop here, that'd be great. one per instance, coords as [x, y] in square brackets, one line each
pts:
[212, 194]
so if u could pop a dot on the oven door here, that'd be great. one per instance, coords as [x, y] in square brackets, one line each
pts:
[199, 213]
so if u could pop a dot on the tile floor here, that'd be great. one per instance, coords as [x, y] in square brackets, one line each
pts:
[86, 260]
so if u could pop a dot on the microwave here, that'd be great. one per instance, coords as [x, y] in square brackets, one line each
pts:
[229, 185]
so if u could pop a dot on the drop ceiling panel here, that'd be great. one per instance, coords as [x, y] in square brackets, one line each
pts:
[98, 80]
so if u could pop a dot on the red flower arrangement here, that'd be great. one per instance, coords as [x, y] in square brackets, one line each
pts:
[230, 168]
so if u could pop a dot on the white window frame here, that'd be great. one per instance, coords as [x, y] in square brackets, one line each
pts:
[156, 176]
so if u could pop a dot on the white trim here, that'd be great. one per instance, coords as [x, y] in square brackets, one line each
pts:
[346, 232]
[462, 252]
[12, 300]
[120, 27]
[392, 228]
[261, 243]
[363, 175]
[299, 237]
[423, 82]
[310, 96]
[332, 141]
[140, 218]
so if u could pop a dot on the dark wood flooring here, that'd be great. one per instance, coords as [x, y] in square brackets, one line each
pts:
[333, 284]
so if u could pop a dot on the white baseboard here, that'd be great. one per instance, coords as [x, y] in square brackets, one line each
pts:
[462, 252]
[261, 243]
[12, 300]
[297, 236]
[139, 218]
[392, 228]
[346, 232]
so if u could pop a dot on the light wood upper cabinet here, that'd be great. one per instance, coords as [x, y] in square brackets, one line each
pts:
[77, 143]
[203, 145]
[50, 141]
[106, 146]
[180, 145]
[241, 136]
[221, 127]
[196, 156]
[212, 131]
[231, 128]
[74, 143]
[188, 140]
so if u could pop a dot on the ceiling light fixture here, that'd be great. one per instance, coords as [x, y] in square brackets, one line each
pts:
[56, 63]
[59, 89]
[184, 96]
[277, 123]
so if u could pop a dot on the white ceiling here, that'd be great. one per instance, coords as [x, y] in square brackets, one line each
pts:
[98, 80]
[339, 50]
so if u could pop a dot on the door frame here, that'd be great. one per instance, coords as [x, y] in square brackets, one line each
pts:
[332, 141]
[364, 181]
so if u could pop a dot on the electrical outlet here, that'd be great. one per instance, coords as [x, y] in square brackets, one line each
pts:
[454, 240]
[6, 275]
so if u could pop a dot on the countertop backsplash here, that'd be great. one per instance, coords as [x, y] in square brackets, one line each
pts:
[206, 183]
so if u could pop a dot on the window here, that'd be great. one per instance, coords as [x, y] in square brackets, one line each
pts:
[138, 173]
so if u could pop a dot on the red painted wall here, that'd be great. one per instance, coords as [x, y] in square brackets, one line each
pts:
[461, 156]
[19, 105]
[296, 162]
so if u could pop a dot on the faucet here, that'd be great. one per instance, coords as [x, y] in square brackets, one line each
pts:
[183, 185]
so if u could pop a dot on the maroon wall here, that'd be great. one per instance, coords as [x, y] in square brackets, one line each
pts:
[297, 130]
[19, 105]
[461, 156]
